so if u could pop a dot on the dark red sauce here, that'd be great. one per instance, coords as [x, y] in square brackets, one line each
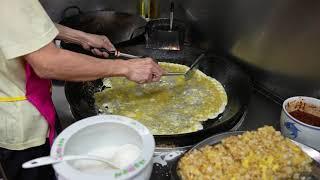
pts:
[306, 117]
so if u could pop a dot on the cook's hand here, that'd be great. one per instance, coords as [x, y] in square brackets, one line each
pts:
[92, 42]
[144, 70]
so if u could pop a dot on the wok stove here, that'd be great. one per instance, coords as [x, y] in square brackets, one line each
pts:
[255, 107]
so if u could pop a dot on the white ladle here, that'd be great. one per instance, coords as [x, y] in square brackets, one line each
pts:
[47, 160]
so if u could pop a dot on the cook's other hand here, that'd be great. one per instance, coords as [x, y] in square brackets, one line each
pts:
[90, 42]
[144, 70]
[93, 42]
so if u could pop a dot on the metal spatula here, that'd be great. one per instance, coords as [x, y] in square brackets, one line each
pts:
[193, 68]
[189, 74]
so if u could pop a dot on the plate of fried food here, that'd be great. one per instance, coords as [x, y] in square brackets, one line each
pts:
[261, 154]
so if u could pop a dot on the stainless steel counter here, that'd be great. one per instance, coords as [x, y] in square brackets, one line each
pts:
[262, 111]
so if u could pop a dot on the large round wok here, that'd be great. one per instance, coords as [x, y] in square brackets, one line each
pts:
[236, 83]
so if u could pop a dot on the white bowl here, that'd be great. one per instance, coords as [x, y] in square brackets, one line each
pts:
[100, 131]
[294, 128]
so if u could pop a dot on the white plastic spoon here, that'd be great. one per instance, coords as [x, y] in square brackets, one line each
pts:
[47, 160]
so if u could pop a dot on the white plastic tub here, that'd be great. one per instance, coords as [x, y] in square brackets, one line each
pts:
[100, 131]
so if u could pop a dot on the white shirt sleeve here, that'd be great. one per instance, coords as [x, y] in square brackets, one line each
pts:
[25, 27]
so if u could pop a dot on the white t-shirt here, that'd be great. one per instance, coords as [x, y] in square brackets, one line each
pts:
[24, 28]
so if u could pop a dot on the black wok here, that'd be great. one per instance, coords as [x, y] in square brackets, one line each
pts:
[236, 83]
[119, 27]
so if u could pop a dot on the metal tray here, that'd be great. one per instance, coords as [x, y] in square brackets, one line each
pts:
[216, 139]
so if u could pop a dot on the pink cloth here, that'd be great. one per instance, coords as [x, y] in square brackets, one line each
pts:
[39, 94]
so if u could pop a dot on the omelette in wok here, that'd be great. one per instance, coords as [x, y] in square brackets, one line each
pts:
[171, 106]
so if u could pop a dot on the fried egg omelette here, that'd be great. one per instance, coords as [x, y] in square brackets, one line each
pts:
[171, 106]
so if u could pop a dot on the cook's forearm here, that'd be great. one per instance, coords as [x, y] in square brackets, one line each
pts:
[72, 66]
[53, 63]
[70, 35]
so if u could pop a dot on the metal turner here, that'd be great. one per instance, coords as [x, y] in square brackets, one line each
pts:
[188, 75]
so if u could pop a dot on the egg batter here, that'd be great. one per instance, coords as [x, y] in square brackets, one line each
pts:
[171, 106]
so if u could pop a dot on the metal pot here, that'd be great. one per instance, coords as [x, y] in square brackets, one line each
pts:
[159, 36]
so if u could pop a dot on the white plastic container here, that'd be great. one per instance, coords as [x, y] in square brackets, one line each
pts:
[101, 131]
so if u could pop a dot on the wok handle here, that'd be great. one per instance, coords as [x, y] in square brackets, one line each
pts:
[65, 11]
[119, 54]
[112, 53]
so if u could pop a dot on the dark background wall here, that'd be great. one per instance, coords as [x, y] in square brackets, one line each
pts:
[55, 7]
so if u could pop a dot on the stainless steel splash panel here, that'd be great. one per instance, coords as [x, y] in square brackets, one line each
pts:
[278, 40]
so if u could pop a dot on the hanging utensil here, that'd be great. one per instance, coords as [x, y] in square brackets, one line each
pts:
[171, 15]
[47, 160]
